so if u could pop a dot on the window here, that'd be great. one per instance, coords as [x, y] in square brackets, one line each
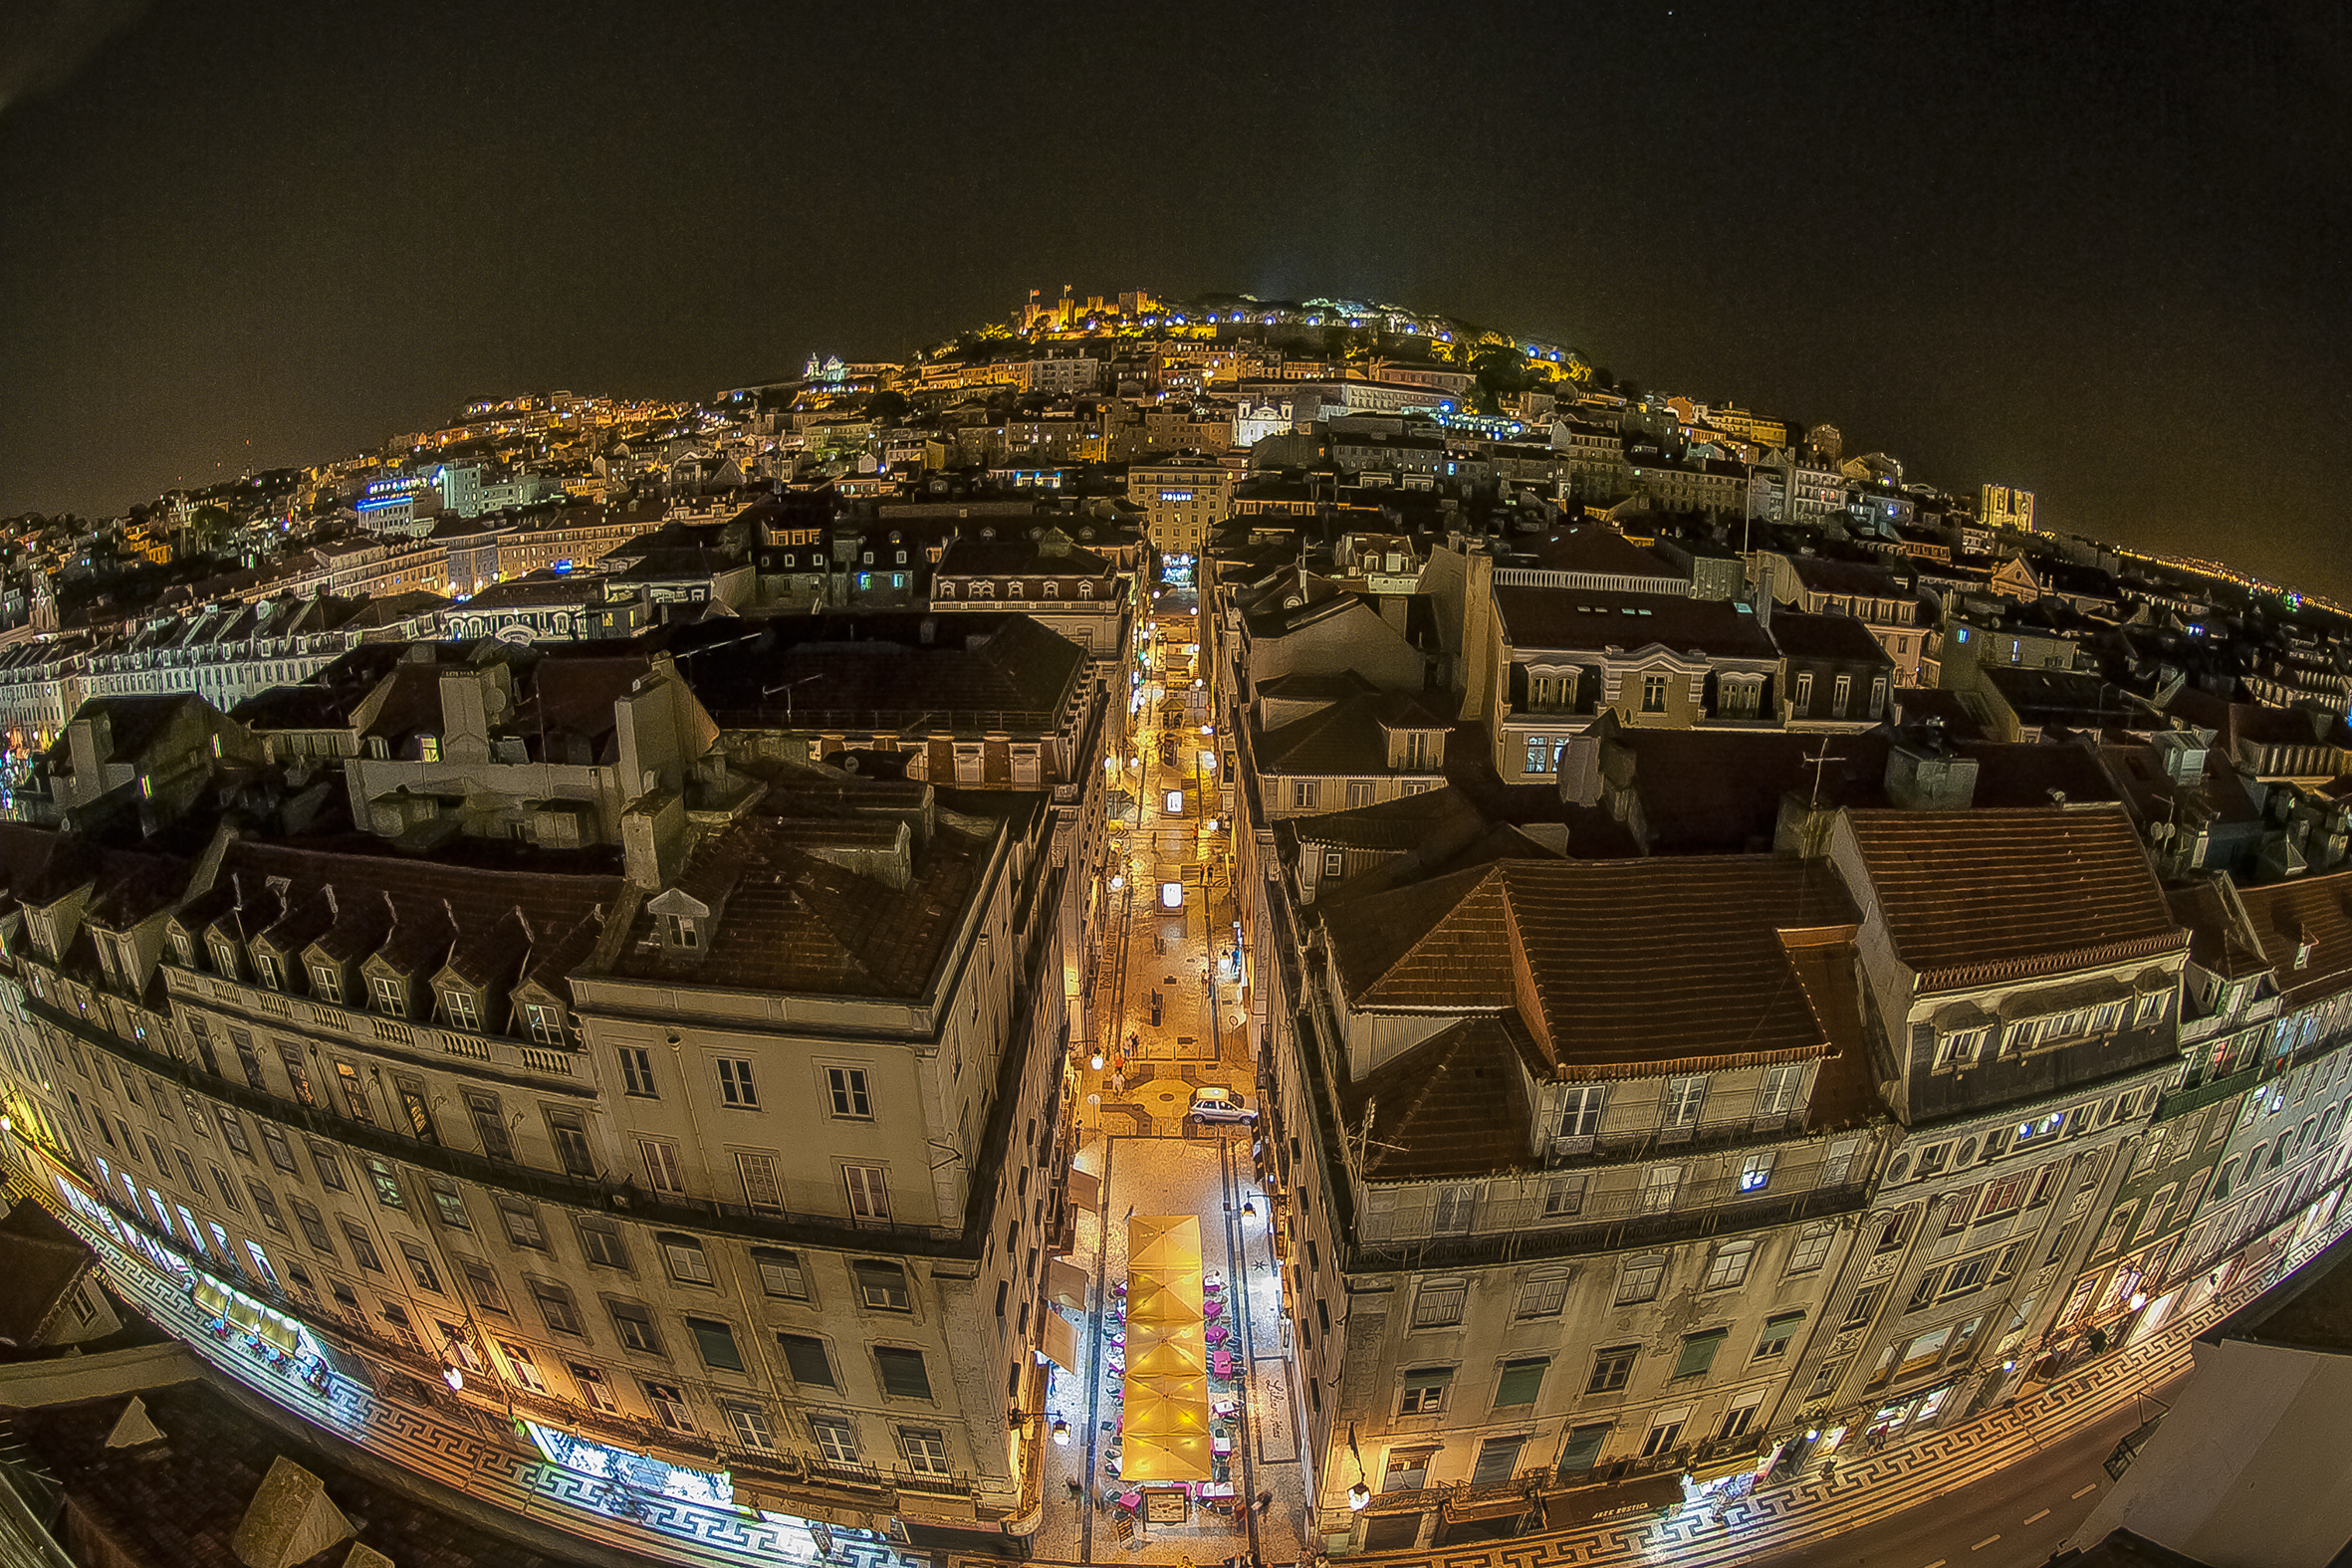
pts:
[556, 1306]
[1659, 1185]
[448, 1202]
[546, 1023]
[632, 1325]
[1812, 1247]
[1684, 1097]
[925, 1447]
[751, 1427]
[220, 1180]
[248, 1060]
[1543, 1296]
[1863, 1307]
[761, 1186]
[391, 995]
[363, 1250]
[1960, 1208]
[835, 1437]
[805, 1359]
[314, 1227]
[1729, 1266]
[1582, 1447]
[846, 1085]
[1665, 1431]
[882, 1286]
[1959, 1047]
[870, 1197]
[1698, 1352]
[1778, 1095]
[716, 1342]
[636, 1071]
[781, 1275]
[1755, 1172]
[1841, 692]
[2005, 1195]
[902, 1372]
[265, 1203]
[1438, 1305]
[682, 932]
[668, 1402]
[1896, 1230]
[601, 1242]
[232, 1130]
[1563, 1197]
[594, 1391]
[1639, 1277]
[735, 1083]
[457, 1007]
[1580, 1116]
[1497, 1459]
[1424, 1390]
[567, 1131]
[326, 982]
[420, 1268]
[387, 1183]
[1968, 1275]
[298, 1074]
[521, 1222]
[1653, 694]
[683, 1256]
[1521, 1381]
[1455, 1206]
[1772, 1343]
[1803, 702]
[662, 1171]
[354, 1093]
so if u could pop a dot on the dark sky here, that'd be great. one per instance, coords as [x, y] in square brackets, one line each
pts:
[2098, 251]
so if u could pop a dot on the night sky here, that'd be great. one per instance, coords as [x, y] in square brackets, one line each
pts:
[2097, 250]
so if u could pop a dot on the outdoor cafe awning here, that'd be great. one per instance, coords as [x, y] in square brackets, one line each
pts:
[1164, 1243]
[1508, 1504]
[1174, 1350]
[1171, 1457]
[1067, 1284]
[1155, 1298]
[1059, 1341]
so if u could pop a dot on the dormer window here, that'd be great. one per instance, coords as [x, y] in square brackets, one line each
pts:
[326, 984]
[265, 967]
[391, 996]
[546, 1023]
[682, 932]
[428, 748]
[183, 949]
[224, 957]
[457, 1006]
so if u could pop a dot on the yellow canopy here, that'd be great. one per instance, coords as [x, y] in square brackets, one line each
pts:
[1165, 1459]
[1164, 1241]
[1165, 1405]
[1154, 1297]
[1166, 1350]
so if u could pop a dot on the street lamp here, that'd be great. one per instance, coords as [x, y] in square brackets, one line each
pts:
[1359, 1496]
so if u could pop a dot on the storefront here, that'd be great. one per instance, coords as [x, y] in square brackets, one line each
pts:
[267, 1335]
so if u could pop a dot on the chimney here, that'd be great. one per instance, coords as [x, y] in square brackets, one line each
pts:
[1924, 774]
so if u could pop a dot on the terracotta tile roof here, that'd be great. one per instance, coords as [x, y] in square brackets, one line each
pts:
[1617, 968]
[1804, 636]
[1455, 1104]
[1348, 739]
[1974, 897]
[792, 921]
[1638, 964]
[2218, 942]
[1587, 620]
[2310, 915]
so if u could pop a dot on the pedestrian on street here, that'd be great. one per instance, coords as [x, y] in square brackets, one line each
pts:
[1118, 1081]
[1265, 1502]
[1130, 1214]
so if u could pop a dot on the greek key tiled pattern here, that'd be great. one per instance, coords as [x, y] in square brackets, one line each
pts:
[428, 1443]
[1866, 1487]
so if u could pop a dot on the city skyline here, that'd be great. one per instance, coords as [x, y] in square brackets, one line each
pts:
[2079, 255]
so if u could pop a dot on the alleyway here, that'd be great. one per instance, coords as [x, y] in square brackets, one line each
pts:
[1172, 1017]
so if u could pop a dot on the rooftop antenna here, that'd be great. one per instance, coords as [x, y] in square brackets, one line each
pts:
[1819, 763]
[1364, 1139]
